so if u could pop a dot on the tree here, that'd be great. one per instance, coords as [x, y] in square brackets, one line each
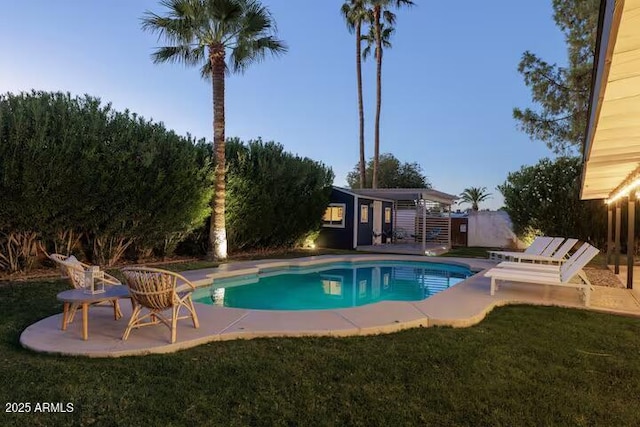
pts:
[545, 198]
[393, 174]
[562, 93]
[474, 195]
[207, 32]
[355, 13]
[370, 39]
[381, 10]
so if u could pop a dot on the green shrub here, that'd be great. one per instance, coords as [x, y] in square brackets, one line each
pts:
[546, 197]
[274, 198]
[73, 170]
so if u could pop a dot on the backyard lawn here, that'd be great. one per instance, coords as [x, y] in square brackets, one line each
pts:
[521, 366]
[469, 252]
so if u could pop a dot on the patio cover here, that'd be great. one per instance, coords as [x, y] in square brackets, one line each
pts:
[408, 194]
[612, 147]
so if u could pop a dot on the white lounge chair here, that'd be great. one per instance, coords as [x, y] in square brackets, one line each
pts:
[545, 274]
[553, 265]
[557, 257]
[537, 247]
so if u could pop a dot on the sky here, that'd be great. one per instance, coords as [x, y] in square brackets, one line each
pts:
[450, 80]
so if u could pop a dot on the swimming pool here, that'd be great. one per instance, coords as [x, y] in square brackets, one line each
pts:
[334, 285]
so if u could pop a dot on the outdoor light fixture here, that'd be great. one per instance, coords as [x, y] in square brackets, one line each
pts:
[624, 191]
[94, 280]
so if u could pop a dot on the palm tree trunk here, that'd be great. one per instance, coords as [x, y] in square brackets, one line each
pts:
[376, 146]
[363, 175]
[218, 232]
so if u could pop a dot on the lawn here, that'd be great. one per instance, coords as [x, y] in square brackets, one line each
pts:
[469, 252]
[521, 366]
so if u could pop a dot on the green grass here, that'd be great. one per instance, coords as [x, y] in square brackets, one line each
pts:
[469, 252]
[521, 366]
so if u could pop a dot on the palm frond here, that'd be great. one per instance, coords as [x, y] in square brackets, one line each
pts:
[253, 51]
[177, 26]
[345, 10]
[369, 40]
[183, 54]
[353, 12]
[245, 28]
[389, 17]
[386, 32]
[366, 52]
[401, 3]
[224, 17]
[257, 20]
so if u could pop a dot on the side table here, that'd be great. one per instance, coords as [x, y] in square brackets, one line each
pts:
[81, 297]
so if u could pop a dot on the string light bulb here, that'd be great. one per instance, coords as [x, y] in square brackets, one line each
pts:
[624, 191]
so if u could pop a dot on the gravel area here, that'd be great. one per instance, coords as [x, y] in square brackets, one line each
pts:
[603, 277]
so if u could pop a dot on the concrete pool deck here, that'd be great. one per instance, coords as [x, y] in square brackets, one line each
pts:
[462, 305]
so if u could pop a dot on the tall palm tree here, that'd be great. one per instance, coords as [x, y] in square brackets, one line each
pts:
[207, 32]
[355, 13]
[381, 10]
[371, 40]
[474, 195]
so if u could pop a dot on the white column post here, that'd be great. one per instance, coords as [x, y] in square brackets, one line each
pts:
[424, 225]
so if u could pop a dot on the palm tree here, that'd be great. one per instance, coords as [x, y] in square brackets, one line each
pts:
[381, 11]
[206, 32]
[355, 13]
[474, 195]
[370, 39]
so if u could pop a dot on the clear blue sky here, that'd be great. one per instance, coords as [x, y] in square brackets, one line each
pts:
[450, 81]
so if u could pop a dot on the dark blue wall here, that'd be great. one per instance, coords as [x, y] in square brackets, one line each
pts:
[342, 238]
[339, 238]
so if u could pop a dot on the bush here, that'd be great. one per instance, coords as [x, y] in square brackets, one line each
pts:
[75, 171]
[546, 197]
[274, 198]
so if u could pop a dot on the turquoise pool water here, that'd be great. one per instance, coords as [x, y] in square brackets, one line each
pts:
[336, 285]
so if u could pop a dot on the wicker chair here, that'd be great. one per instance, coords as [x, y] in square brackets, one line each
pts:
[72, 269]
[157, 291]
[59, 260]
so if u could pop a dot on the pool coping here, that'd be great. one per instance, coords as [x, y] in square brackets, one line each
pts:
[462, 305]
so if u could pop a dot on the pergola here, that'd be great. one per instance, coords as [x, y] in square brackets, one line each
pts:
[612, 146]
[431, 210]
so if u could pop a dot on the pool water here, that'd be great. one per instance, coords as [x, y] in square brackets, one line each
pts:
[331, 286]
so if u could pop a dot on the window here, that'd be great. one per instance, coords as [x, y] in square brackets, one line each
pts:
[387, 215]
[332, 286]
[334, 216]
[364, 214]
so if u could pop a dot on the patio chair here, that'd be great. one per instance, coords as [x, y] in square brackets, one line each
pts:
[548, 263]
[557, 257]
[58, 259]
[72, 269]
[433, 233]
[155, 291]
[536, 248]
[545, 274]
